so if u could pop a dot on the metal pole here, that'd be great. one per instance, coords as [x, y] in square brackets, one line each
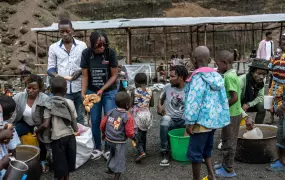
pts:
[191, 38]
[244, 42]
[129, 46]
[46, 42]
[205, 35]
[261, 31]
[165, 50]
[197, 36]
[252, 36]
[37, 57]
[85, 35]
[214, 44]
[281, 31]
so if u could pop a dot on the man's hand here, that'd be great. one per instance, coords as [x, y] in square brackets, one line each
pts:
[160, 110]
[76, 75]
[249, 123]
[280, 111]
[4, 162]
[189, 129]
[245, 107]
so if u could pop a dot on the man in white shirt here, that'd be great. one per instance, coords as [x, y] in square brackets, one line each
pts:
[64, 60]
[266, 47]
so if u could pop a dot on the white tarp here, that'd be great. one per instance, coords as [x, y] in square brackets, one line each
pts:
[166, 22]
[132, 70]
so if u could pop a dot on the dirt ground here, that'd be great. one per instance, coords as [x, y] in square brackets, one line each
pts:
[149, 169]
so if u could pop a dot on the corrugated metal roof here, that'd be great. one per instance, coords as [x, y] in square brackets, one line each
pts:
[166, 22]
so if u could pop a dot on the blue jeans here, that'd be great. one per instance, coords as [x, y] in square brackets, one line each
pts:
[108, 103]
[167, 124]
[78, 103]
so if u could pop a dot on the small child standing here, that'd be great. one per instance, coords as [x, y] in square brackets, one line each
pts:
[224, 62]
[206, 109]
[9, 144]
[60, 119]
[116, 127]
[141, 101]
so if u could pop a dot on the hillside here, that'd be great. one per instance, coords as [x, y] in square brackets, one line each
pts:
[18, 16]
[17, 42]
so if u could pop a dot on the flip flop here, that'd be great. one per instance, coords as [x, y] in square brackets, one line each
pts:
[276, 167]
[44, 167]
[218, 166]
[223, 173]
[205, 178]
[96, 154]
[106, 155]
[95, 157]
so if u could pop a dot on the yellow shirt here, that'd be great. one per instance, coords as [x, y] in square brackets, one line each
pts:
[200, 129]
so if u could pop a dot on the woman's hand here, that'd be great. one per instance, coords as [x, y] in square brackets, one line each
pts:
[100, 92]
[83, 96]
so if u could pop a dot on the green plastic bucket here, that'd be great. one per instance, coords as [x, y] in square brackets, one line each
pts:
[179, 144]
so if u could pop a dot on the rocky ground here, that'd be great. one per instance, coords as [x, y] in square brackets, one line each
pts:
[149, 169]
[17, 42]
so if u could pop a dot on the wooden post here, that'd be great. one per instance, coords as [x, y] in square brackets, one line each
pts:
[205, 35]
[244, 40]
[129, 46]
[261, 32]
[165, 51]
[214, 44]
[252, 36]
[191, 38]
[240, 44]
[46, 42]
[85, 35]
[198, 39]
[281, 31]
[37, 56]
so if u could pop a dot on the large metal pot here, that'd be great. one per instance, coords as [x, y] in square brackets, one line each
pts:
[31, 156]
[257, 151]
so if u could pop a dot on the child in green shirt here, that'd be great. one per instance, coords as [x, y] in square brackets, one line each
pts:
[224, 62]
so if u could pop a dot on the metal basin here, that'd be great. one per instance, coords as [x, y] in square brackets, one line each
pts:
[31, 156]
[257, 151]
[16, 170]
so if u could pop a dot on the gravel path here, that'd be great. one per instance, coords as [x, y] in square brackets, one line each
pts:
[149, 169]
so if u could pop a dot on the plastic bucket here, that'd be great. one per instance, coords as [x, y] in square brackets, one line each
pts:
[179, 144]
[268, 102]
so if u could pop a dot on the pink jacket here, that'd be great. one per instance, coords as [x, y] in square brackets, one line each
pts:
[261, 52]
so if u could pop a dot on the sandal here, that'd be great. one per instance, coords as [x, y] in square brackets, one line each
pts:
[106, 155]
[276, 167]
[44, 167]
[96, 154]
[223, 173]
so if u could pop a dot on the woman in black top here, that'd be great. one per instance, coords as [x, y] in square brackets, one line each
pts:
[99, 74]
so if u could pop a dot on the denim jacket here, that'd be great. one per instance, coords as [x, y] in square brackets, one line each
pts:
[206, 102]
